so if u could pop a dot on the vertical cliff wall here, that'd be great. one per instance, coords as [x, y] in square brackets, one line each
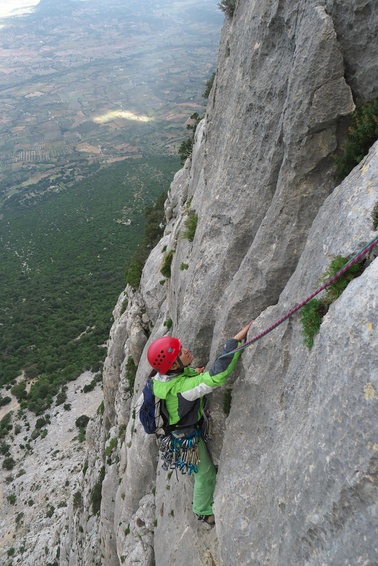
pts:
[297, 455]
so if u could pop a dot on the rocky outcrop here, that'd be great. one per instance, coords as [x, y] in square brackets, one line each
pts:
[297, 454]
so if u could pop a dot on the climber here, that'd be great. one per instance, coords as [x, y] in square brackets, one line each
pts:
[183, 389]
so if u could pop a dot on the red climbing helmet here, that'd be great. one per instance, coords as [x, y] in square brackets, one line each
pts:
[163, 352]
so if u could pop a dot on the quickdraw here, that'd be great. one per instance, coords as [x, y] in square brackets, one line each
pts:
[180, 452]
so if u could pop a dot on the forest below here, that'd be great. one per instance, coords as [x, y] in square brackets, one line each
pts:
[64, 255]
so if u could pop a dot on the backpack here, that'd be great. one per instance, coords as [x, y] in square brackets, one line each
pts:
[153, 414]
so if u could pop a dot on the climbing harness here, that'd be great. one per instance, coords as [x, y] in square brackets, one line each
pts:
[329, 282]
[179, 451]
[179, 448]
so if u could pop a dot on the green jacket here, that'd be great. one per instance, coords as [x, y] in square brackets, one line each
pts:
[184, 393]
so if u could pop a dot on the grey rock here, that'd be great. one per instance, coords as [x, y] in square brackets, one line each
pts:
[298, 453]
[310, 455]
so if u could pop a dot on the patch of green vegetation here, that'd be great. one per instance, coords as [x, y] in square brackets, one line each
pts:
[4, 449]
[311, 318]
[209, 86]
[313, 312]
[168, 323]
[90, 386]
[112, 444]
[228, 7]
[375, 218]
[77, 500]
[63, 257]
[130, 373]
[362, 133]
[96, 493]
[19, 390]
[184, 266]
[125, 304]
[186, 147]
[167, 263]
[19, 518]
[190, 223]
[334, 291]
[4, 401]
[153, 231]
[6, 425]
[62, 396]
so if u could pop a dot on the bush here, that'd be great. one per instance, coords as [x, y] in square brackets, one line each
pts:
[8, 463]
[62, 396]
[311, 318]
[334, 291]
[112, 444]
[228, 7]
[168, 323]
[362, 133]
[185, 149]
[153, 230]
[131, 370]
[166, 266]
[209, 86]
[4, 401]
[313, 312]
[77, 500]
[4, 449]
[5, 424]
[19, 391]
[41, 422]
[82, 421]
[375, 218]
[190, 225]
[96, 493]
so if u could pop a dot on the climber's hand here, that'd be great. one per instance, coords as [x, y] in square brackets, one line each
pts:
[200, 370]
[241, 335]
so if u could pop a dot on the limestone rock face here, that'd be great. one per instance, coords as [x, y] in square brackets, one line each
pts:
[301, 486]
[297, 455]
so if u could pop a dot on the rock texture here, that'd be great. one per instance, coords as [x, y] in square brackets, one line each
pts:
[297, 455]
[297, 481]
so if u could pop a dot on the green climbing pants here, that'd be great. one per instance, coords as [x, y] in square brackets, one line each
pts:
[204, 482]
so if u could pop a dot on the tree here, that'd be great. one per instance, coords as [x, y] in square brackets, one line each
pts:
[9, 463]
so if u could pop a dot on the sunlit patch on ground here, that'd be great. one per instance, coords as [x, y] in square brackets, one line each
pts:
[16, 7]
[116, 114]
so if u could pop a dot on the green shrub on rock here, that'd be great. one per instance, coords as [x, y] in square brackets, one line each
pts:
[362, 133]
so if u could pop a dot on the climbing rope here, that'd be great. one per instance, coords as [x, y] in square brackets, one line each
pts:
[329, 282]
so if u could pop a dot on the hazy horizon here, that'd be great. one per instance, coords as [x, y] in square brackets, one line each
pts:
[9, 8]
